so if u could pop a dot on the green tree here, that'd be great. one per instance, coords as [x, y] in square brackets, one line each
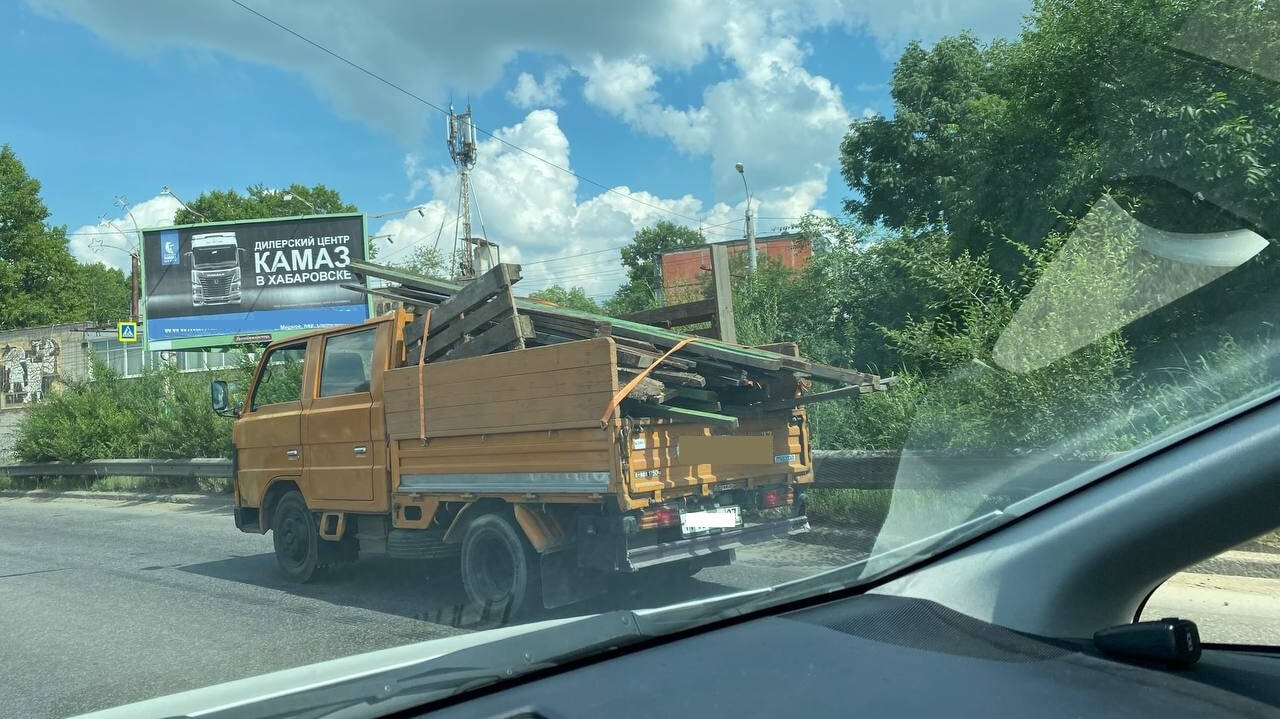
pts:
[262, 201]
[1164, 104]
[640, 291]
[106, 293]
[40, 281]
[425, 261]
[574, 298]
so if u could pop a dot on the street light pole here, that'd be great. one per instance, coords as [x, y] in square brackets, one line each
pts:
[751, 225]
[166, 191]
[290, 196]
[134, 265]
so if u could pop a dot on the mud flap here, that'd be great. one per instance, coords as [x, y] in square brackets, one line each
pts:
[564, 582]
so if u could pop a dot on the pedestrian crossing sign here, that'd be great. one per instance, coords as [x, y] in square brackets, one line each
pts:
[127, 331]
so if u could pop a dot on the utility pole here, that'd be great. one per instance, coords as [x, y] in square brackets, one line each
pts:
[751, 222]
[135, 264]
[134, 315]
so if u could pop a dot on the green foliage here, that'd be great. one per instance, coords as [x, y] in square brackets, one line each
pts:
[261, 201]
[40, 282]
[425, 261]
[163, 414]
[574, 298]
[1167, 103]
[640, 291]
[105, 291]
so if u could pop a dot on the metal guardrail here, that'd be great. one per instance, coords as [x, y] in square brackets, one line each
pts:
[832, 469]
[1015, 474]
[200, 467]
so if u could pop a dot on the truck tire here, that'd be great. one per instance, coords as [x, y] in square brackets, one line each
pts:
[296, 538]
[500, 567]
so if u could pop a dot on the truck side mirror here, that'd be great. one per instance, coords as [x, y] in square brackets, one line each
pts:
[218, 396]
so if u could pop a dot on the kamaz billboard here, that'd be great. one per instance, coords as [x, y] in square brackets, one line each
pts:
[205, 284]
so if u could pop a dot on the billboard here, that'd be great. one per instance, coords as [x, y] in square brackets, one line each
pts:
[206, 284]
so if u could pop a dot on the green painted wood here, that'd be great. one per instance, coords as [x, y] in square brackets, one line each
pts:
[663, 410]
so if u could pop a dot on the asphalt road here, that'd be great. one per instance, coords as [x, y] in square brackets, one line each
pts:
[104, 603]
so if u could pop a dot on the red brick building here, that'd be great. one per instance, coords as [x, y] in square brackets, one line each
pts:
[685, 270]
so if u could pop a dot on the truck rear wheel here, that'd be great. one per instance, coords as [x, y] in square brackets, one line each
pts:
[499, 567]
[296, 538]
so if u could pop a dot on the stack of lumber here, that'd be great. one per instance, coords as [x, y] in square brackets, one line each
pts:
[705, 380]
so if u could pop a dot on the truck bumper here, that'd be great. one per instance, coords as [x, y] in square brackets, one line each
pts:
[641, 557]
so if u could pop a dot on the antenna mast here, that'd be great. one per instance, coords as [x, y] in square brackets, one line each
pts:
[472, 255]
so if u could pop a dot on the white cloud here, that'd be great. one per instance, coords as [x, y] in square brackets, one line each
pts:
[432, 48]
[529, 93]
[771, 112]
[111, 241]
[779, 119]
[531, 210]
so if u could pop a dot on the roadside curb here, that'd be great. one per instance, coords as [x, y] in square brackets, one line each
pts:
[217, 500]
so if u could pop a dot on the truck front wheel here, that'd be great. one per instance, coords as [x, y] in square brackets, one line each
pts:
[499, 567]
[296, 538]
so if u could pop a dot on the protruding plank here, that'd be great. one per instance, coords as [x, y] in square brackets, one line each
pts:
[501, 335]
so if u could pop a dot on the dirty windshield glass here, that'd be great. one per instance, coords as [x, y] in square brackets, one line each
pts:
[548, 312]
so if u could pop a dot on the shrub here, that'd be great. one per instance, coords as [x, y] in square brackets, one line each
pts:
[162, 414]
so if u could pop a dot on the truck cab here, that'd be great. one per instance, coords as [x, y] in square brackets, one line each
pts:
[215, 269]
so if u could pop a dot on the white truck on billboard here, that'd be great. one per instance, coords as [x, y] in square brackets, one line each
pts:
[215, 269]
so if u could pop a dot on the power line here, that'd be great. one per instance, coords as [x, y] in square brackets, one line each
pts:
[442, 111]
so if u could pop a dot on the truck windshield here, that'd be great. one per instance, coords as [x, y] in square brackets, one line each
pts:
[216, 256]
[762, 292]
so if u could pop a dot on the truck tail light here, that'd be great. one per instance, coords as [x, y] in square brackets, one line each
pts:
[659, 517]
[774, 497]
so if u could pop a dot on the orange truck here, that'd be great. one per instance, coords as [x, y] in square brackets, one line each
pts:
[501, 462]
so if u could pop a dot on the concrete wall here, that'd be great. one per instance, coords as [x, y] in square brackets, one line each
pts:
[684, 271]
[33, 362]
[9, 420]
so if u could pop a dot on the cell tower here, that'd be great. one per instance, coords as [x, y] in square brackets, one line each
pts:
[472, 255]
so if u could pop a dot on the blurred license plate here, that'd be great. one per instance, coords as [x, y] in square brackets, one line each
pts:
[718, 518]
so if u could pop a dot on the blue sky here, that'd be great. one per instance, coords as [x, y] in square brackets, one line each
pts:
[655, 102]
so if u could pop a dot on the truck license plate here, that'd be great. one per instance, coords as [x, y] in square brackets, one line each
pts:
[718, 518]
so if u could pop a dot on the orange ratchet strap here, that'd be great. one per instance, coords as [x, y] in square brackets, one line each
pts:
[422, 386]
[622, 393]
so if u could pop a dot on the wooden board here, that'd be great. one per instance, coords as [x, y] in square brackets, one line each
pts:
[680, 414]
[554, 383]
[849, 391]
[581, 410]
[685, 313]
[503, 335]
[442, 340]
[722, 292]
[553, 387]
[472, 295]
[533, 360]
[790, 349]
[573, 327]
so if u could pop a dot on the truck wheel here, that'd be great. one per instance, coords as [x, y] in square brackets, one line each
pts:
[296, 538]
[499, 567]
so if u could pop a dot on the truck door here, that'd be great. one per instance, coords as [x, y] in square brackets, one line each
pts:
[269, 434]
[340, 453]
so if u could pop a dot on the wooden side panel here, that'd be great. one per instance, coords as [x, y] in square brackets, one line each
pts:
[555, 387]
[569, 450]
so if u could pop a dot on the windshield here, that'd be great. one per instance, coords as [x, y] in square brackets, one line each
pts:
[214, 255]
[695, 307]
